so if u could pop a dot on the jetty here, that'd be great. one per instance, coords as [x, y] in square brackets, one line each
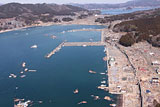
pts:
[84, 44]
[77, 30]
[55, 50]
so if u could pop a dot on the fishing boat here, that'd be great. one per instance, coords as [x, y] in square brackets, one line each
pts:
[76, 91]
[34, 46]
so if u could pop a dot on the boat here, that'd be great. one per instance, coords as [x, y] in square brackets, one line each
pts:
[23, 64]
[102, 73]
[32, 70]
[21, 72]
[53, 37]
[92, 72]
[82, 102]
[34, 46]
[84, 45]
[63, 32]
[75, 91]
[26, 69]
[96, 98]
[113, 105]
[22, 76]
[107, 98]
[12, 76]
[23, 104]
[103, 82]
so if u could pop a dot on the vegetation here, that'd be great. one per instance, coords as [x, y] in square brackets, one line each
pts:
[67, 19]
[127, 40]
[15, 9]
[143, 29]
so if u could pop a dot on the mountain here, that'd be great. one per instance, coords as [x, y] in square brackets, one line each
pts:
[16, 15]
[16, 9]
[139, 26]
[135, 3]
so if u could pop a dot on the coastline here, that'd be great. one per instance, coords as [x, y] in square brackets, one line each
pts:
[86, 21]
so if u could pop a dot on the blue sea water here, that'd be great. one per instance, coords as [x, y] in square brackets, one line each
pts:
[57, 77]
[123, 11]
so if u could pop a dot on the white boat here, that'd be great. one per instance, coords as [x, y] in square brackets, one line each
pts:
[32, 70]
[23, 64]
[103, 82]
[23, 76]
[113, 105]
[34, 46]
[76, 91]
[102, 73]
[84, 45]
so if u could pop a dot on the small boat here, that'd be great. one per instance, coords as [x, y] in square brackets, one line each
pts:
[22, 76]
[113, 105]
[12, 76]
[91, 39]
[21, 72]
[76, 91]
[53, 37]
[96, 98]
[23, 64]
[107, 98]
[40, 102]
[103, 85]
[92, 72]
[103, 82]
[102, 73]
[84, 45]
[82, 102]
[23, 104]
[63, 32]
[26, 69]
[32, 70]
[34, 46]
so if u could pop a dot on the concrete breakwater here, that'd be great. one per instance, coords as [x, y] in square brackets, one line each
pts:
[84, 44]
[55, 50]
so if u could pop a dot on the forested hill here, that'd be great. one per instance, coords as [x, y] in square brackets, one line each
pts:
[16, 9]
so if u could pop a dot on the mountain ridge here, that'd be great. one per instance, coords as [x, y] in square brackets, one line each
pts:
[135, 3]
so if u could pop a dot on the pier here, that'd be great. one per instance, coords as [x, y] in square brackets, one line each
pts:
[55, 50]
[84, 44]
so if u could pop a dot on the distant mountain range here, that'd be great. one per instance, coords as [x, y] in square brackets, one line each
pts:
[135, 3]
[15, 15]
[16, 9]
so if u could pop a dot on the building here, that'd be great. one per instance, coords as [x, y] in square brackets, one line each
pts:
[155, 80]
[158, 70]
[155, 62]
[111, 61]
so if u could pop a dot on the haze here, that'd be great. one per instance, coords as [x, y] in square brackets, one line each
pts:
[65, 1]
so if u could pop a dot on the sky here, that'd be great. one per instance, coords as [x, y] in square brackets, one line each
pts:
[65, 1]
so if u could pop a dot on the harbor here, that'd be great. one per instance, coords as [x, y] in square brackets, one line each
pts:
[32, 74]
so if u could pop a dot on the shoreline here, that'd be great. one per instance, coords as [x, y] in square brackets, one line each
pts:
[74, 22]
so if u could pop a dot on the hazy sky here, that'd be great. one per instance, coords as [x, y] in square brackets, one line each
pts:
[64, 1]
